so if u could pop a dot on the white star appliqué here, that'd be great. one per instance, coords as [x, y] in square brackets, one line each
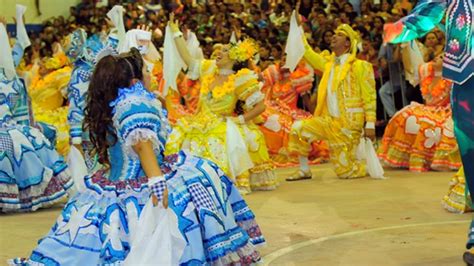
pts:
[82, 87]
[114, 231]
[6, 88]
[20, 143]
[77, 221]
[132, 217]
[40, 139]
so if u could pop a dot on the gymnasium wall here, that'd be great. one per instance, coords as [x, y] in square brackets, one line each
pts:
[49, 8]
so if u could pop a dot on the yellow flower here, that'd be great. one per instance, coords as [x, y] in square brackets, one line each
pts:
[244, 50]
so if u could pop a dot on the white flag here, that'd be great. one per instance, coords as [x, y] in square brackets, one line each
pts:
[6, 59]
[194, 46]
[116, 16]
[21, 34]
[294, 44]
[172, 62]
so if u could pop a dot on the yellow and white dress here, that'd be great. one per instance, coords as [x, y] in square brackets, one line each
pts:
[211, 134]
[458, 199]
[47, 95]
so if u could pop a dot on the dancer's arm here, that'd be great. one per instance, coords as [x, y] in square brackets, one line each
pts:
[257, 110]
[316, 60]
[248, 91]
[365, 79]
[17, 50]
[149, 163]
[139, 124]
[180, 43]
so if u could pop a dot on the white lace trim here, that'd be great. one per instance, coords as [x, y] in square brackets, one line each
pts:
[126, 104]
[37, 191]
[235, 256]
[138, 135]
[265, 180]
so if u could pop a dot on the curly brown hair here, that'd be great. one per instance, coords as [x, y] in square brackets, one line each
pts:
[111, 73]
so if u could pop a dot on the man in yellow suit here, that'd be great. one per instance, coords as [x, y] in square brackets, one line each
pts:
[345, 108]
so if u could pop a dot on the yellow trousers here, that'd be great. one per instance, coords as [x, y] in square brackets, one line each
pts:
[343, 136]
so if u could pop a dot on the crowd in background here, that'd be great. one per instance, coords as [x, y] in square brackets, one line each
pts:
[265, 21]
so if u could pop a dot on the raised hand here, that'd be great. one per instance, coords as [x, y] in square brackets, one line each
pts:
[174, 24]
[144, 28]
[159, 193]
[109, 22]
[297, 9]
[370, 133]
[237, 31]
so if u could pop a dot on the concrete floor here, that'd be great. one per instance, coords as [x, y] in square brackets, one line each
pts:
[326, 221]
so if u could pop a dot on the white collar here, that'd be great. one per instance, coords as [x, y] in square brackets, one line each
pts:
[342, 58]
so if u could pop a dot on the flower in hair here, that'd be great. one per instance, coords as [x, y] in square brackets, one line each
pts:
[243, 50]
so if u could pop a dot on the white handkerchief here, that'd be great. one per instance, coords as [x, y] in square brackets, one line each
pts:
[21, 34]
[294, 44]
[172, 62]
[6, 59]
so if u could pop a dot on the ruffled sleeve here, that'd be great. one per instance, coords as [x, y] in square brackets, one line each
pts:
[138, 116]
[247, 88]
[426, 71]
[302, 79]
[271, 75]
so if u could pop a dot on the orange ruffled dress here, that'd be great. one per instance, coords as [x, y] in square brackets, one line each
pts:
[420, 137]
[281, 97]
[183, 102]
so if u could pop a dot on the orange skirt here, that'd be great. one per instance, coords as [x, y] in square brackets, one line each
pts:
[421, 138]
[277, 137]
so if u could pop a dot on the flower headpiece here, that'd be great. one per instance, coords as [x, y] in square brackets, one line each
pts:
[243, 50]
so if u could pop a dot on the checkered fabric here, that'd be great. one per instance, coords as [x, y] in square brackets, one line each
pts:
[201, 197]
[6, 145]
[158, 188]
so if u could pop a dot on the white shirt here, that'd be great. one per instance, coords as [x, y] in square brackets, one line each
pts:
[331, 98]
[332, 101]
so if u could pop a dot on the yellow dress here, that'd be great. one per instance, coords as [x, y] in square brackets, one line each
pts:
[46, 93]
[458, 199]
[58, 119]
[205, 133]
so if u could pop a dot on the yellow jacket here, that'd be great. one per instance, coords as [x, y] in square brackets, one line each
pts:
[359, 94]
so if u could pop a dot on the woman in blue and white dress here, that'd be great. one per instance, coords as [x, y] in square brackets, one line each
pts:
[32, 174]
[115, 216]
